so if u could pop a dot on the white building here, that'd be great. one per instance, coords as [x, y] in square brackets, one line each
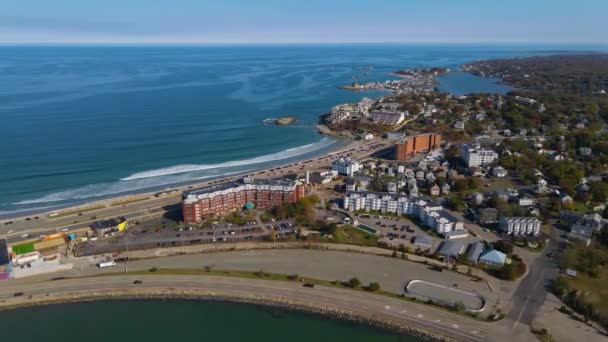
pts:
[366, 136]
[383, 117]
[499, 172]
[475, 156]
[432, 216]
[520, 225]
[346, 166]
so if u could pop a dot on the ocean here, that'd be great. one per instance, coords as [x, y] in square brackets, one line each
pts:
[85, 122]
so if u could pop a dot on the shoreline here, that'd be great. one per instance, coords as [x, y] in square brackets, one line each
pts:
[201, 295]
[342, 144]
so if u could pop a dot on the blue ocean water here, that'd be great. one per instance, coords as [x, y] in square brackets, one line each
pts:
[82, 122]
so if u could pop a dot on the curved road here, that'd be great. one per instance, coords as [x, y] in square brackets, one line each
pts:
[366, 304]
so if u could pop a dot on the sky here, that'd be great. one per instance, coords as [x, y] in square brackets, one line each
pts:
[303, 21]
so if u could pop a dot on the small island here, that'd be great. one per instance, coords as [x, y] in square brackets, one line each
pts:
[287, 120]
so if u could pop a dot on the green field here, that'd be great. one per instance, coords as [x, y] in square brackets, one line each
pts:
[352, 235]
[23, 248]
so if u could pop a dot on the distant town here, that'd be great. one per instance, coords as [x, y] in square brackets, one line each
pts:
[489, 202]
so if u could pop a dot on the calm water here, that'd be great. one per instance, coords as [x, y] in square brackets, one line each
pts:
[80, 123]
[156, 321]
[461, 83]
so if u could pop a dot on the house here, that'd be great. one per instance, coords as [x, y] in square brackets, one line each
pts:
[435, 190]
[420, 175]
[445, 189]
[488, 216]
[565, 198]
[526, 201]
[351, 185]
[474, 251]
[541, 186]
[583, 226]
[392, 187]
[477, 171]
[499, 172]
[493, 258]
[459, 125]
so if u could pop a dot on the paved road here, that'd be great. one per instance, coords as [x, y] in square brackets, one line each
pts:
[529, 297]
[384, 308]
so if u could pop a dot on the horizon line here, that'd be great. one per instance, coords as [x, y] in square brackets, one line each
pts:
[160, 43]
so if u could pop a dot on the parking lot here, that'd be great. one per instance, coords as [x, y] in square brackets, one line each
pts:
[396, 231]
[162, 232]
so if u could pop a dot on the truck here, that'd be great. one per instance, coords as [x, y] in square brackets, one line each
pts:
[106, 264]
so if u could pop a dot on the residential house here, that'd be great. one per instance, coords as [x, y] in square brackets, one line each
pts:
[445, 189]
[435, 190]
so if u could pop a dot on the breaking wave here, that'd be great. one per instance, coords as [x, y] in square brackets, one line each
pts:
[289, 153]
[173, 175]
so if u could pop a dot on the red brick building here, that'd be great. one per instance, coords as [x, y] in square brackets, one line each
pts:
[224, 198]
[415, 144]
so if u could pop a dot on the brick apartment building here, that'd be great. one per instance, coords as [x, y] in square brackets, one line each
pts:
[224, 198]
[417, 143]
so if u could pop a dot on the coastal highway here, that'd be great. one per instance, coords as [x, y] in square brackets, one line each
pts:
[365, 304]
[170, 199]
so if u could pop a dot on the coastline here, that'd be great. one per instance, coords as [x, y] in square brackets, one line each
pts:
[342, 143]
[328, 310]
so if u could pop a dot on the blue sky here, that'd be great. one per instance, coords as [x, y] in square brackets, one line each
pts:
[303, 21]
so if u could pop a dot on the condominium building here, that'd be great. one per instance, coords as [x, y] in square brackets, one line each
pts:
[389, 118]
[475, 156]
[431, 215]
[520, 225]
[346, 166]
[224, 198]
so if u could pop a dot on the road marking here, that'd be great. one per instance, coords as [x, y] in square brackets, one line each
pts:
[521, 312]
[437, 320]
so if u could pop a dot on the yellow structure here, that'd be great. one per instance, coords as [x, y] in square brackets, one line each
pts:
[122, 226]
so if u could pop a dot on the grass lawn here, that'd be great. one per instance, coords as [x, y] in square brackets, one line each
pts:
[591, 264]
[23, 248]
[351, 235]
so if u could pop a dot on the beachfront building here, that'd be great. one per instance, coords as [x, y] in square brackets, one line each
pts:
[346, 166]
[389, 118]
[224, 198]
[475, 156]
[431, 215]
[520, 225]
